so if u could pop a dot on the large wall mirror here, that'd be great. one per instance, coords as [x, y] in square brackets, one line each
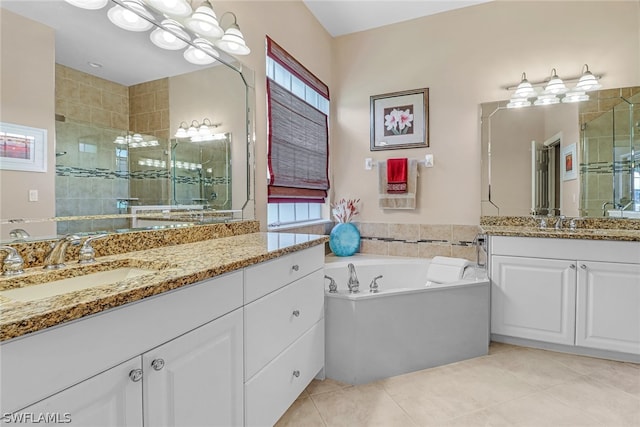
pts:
[121, 158]
[574, 159]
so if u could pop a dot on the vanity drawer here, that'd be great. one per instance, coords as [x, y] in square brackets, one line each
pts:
[271, 323]
[270, 393]
[268, 276]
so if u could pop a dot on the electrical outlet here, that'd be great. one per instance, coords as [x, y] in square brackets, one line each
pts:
[33, 195]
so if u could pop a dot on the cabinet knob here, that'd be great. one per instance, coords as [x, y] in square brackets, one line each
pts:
[296, 373]
[296, 313]
[135, 375]
[295, 267]
[157, 364]
[582, 266]
[572, 266]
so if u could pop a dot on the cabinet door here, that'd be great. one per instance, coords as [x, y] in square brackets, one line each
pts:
[111, 398]
[533, 298]
[608, 306]
[196, 379]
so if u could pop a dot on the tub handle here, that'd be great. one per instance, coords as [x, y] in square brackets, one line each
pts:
[333, 288]
[373, 287]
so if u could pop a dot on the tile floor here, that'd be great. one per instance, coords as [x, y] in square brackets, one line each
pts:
[512, 386]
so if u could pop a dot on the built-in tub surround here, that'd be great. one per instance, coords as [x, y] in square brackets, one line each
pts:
[586, 228]
[34, 252]
[180, 265]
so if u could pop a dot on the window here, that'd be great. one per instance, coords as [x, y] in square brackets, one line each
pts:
[298, 110]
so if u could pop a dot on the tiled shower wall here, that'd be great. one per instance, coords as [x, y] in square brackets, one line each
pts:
[89, 110]
[149, 114]
[410, 240]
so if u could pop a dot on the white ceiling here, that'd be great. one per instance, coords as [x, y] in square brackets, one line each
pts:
[128, 58]
[340, 17]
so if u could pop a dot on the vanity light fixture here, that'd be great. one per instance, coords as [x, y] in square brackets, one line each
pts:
[588, 81]
[127, 20]
[135, 140]
[205, 22]
[198, 132]
[555, 90]
[232, 41]
[170, 35]
[179, 8]
[88, 4]
[555, 86]
[202, 53]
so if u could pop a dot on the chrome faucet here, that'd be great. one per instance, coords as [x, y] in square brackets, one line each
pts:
[353, 282]
[373, 287]
[19, 233]
[624, 208]
[13, 263]
[87, 253]
[333, 288]
[559, 222]
[55, 257]
[604, 207]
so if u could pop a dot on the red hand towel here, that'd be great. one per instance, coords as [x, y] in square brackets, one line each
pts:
[397, 176]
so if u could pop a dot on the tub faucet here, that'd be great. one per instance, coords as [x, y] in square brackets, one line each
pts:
[333, 288]
[353, 282]
[55, 257]
[373, 287]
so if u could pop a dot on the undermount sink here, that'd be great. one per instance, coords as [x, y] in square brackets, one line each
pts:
[72, 284]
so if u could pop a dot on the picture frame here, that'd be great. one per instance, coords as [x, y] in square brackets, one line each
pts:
[23, 148]
[569, 163]
[400, 120]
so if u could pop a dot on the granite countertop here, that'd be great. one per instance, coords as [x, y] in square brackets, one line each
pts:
[178, 265]
[625, 230]
[586, 234]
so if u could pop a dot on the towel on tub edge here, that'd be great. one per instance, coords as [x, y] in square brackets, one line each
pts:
[446, 269]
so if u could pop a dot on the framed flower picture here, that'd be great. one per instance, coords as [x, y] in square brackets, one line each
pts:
[569, 163]
[23, 148]
[400, 120]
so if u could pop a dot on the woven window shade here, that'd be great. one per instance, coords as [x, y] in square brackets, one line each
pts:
[298, 148]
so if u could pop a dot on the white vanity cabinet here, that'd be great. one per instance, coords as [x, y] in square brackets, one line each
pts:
[608, 306]
[284, 332]
[533, 298]
[581, 293]
[184, 350]
[111, 398]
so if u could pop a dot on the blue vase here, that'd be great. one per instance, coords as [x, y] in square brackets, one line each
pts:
[344, 239]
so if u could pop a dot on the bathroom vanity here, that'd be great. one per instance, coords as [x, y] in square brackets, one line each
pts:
[575, 291]
[230, 332]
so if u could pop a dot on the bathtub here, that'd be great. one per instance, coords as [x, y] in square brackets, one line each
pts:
[405, 327]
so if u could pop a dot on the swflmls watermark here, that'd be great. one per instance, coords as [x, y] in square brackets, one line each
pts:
[36, 417]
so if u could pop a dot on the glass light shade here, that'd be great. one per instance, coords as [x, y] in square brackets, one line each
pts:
[233, 42]
[524, 89]
[547, 99]
[202, 54]
[588, 82]
[555, 86]
[128, 20]
[193, 131]
[205, 22]
[168, 40]
[518, 103]
[179, 8]
[88, 4]
[181, 133]
[575, 96]
[119, 140]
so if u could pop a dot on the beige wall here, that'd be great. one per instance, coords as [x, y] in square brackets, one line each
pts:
[465, 57]
[27, 98]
